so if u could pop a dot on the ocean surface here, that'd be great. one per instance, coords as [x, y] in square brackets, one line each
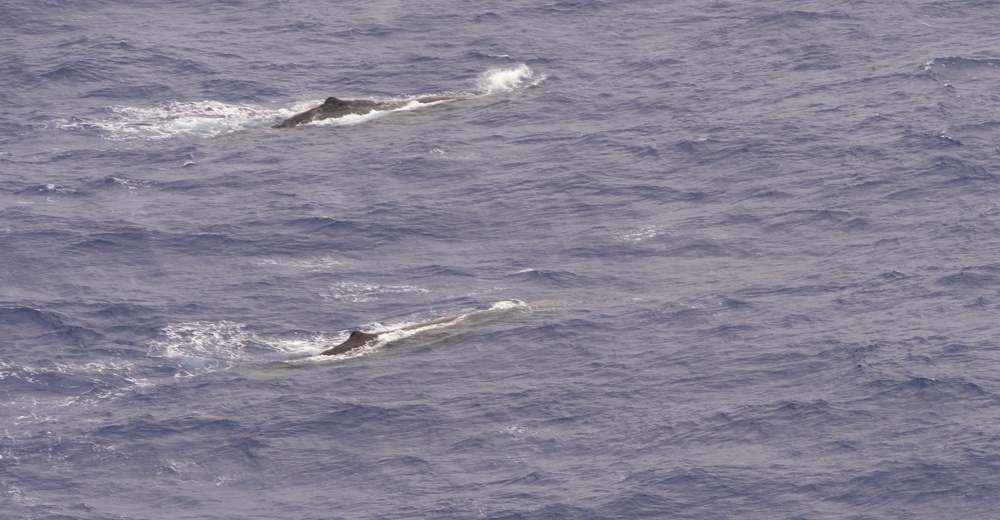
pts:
[709, 260]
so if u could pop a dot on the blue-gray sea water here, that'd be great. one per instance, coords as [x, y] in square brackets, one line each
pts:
[727, 260]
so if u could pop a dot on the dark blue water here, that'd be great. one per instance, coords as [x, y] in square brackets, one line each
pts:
[711, 260]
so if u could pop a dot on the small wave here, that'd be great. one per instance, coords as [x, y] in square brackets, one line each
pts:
[963, 70]
[19, 324]
[960, 62]
[545, 277]
[48, 190]
[929, 389]
[323, 263]
[65, 383]
[112, 182]
[362, 292]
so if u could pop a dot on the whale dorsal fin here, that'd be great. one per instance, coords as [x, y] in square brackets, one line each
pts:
[363, 337]
[355, 340]
[332, 101]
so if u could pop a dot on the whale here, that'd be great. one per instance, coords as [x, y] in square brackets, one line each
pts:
[438, 329]
[358, 339]
[336, 107]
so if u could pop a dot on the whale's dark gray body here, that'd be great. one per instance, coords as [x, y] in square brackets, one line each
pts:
[334, 107]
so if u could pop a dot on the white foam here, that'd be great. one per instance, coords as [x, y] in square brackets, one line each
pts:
[222, 340]
[351, 119]
[130, 184]
[356, 119]
[508, 304]
[317, 264]
[642, 233]
[208, 346]
[495, 81]
[178, 118]
[324, 342]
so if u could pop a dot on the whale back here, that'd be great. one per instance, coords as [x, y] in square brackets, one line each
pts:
[335, 107]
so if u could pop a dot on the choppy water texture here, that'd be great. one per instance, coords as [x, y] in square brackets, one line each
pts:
[712, 260]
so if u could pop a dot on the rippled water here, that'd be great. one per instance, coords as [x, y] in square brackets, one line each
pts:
[706, 260]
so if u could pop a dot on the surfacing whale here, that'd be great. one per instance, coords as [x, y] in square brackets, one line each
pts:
[358, 339]
[440, 328]
[335, 107]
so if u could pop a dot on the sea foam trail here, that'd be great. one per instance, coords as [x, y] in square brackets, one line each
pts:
[209, 118]
[173, 119]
